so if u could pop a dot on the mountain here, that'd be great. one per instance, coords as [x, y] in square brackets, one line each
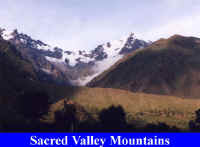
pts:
[24, 68]
[31, 50]
[168, 66]
[18, 75]
[79, 66]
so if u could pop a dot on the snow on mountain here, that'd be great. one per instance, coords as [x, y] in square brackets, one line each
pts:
[45, 47]
[6, 35]
[83, 64]
[113, 48]
[108, 54]
[71, 58]
[25, 39]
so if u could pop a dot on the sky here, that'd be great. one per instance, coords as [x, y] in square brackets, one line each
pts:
[84, 24]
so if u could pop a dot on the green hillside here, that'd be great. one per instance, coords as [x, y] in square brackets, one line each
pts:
[169, 66]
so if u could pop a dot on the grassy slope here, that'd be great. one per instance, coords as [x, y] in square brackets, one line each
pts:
[169, 66]
[151, 108]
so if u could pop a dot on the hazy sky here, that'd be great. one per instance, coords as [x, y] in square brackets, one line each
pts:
[83, 24]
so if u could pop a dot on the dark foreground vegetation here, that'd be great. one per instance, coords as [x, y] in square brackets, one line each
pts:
[32, 111]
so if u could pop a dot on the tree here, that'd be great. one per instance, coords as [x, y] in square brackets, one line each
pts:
[33, 104]
[66, 119]
[195, 124]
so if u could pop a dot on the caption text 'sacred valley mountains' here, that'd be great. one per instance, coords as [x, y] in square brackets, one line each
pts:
[123, 85]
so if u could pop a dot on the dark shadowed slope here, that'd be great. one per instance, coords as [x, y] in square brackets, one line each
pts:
[14, 70]
[169, 66]
[18, 75]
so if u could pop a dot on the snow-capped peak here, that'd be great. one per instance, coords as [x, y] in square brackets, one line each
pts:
[6, 34]
[114, 47]
[14, 35]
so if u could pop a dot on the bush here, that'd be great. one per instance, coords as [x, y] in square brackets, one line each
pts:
[113, 118]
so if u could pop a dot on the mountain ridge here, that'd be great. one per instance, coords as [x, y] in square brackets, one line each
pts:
[79, 66]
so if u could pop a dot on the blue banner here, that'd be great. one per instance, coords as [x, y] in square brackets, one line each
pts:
[99, 139]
